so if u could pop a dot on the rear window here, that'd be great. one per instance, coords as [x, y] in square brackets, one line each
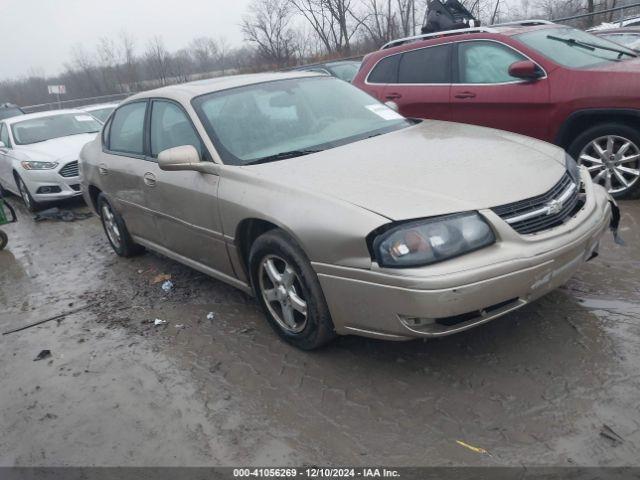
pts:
[426, 65]
[386, 70]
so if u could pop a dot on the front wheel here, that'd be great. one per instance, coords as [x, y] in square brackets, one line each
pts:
[611, 153]
[289, 291]
[28, 200]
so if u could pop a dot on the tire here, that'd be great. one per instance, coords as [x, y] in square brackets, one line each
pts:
[116, 230]
[4, 239]
[28, 200]
[297, 284]
[616, 142]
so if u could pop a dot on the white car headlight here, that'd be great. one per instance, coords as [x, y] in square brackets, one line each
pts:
[30, 165]
[423, 242]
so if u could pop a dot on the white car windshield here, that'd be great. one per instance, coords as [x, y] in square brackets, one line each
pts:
[41, 129]
[289, 118]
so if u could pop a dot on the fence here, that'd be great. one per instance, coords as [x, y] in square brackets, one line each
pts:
[622, 14]
[78, 102]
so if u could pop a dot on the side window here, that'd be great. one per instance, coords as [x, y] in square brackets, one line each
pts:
[426, 65]
[386, 70]
[486, 62]
[170, 127]
[4, 135]
[126, 129]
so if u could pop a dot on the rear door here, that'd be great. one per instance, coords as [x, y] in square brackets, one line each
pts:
[123, 167]
[485, 94]
[184, 203]
[423, 83]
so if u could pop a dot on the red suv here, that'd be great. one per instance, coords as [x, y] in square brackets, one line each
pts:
[536, 78]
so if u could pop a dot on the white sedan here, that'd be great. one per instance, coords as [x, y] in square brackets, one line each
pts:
[100, 111]
[39, 154]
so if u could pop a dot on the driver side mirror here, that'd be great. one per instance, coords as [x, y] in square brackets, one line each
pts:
[526, 70]
[185, 158]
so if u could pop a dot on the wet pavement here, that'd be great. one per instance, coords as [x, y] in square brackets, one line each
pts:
[543, 386]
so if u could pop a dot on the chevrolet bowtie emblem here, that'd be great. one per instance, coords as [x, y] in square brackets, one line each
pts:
[554, 206]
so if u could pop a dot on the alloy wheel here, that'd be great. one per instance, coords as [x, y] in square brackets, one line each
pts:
[613, 162]
[282, 293]
[113, 231]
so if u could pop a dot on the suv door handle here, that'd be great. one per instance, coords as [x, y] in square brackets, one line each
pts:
[150, 179]
[393, 96]
[465, 95]
[102, 169]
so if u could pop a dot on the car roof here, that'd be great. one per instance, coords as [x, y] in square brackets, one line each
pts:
[186, 91]
[48, 113]
[494, 32]
[98, 106]
[617, 30]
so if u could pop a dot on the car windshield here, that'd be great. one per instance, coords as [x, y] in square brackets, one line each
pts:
[344, 70]
[45, 128]
[629, 40]
[102, 113]
[9, 112]
[574, 48]
[289, 118]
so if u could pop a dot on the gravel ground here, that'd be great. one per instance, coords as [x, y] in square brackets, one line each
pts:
[543, 386]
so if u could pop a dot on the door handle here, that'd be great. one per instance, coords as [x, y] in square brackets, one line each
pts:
[465, 95]
[150, 179]
[102, 169]
[393, 96]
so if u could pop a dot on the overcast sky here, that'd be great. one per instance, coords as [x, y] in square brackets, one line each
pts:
[39, 34]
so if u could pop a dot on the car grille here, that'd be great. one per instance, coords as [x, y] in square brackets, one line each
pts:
[70, 169]
[544, 211]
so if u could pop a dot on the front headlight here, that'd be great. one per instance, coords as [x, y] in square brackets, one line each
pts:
[572, 168]
[29, 165]
[428, 241]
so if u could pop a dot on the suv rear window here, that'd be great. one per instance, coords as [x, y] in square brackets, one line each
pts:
[426, 65]
[386, 71]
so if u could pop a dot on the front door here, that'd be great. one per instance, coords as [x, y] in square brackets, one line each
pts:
[185, 203]
[485, 94]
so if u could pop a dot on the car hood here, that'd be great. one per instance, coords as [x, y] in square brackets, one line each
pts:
[430, 169]
[63, 148]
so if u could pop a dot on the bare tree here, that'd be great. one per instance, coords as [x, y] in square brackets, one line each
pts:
[267, 26]
[129, 61]
[205, 53]
[158, 59]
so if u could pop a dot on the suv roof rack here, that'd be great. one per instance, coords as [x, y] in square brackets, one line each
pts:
[524, 23]
[461, 31]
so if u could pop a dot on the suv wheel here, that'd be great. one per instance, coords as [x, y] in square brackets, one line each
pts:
[611, 153]
[116, 230]
[289, 291]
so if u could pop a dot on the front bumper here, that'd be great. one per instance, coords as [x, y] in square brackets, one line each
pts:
[466, 292]
[55, 185]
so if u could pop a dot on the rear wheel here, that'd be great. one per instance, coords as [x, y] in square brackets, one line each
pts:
[289, 291]
[116, 230]
[28, 200]
[611, 153]
[4, 239]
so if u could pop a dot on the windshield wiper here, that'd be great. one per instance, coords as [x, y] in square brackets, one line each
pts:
[283, 156]
[589, 46]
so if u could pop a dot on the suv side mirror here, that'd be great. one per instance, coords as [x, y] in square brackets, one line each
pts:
[185, 157]
[526, 70]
